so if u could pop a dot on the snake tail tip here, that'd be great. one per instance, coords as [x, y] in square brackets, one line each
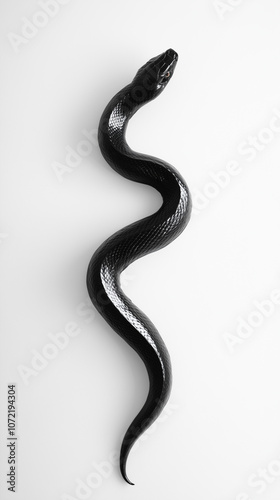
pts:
[126, 478]
[129, 482]
[124, 475]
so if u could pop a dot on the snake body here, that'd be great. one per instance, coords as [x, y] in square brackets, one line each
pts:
[138, 239]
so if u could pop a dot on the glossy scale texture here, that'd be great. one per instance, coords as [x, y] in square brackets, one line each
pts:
[138, 239]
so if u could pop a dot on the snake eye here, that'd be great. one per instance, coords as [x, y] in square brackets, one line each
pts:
[166, 76]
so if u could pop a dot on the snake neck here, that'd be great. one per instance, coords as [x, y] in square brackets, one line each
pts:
[115, 118]
[137, 166]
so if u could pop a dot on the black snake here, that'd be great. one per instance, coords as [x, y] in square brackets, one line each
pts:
[138, 239]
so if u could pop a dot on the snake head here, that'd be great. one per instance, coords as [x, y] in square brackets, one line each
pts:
[152, 78]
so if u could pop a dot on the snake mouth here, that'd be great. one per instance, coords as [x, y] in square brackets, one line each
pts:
[171, 55]
[167, 60]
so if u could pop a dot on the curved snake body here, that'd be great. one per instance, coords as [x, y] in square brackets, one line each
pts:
[138, 239]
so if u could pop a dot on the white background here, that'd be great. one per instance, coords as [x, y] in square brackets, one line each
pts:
[222, 425]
